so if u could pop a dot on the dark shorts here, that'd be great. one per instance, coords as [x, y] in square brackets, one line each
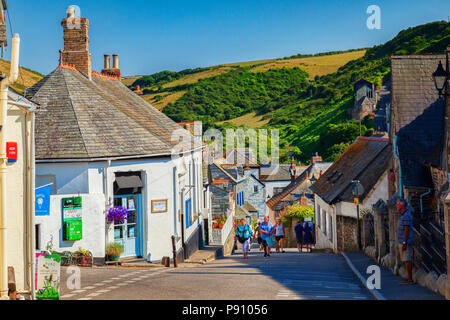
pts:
[264, 243]
[278, 238]
[259, 240]
[300, 240]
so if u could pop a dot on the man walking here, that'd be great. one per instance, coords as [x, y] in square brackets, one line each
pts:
[266, 229]
[299, 235]
[405, 238]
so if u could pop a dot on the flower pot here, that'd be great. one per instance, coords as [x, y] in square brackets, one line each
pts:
[84, 259]
[111, 257]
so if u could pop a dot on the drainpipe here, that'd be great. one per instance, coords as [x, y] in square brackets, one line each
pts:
[421, 203]
[399, 166]
[4, 84]
[106, 191]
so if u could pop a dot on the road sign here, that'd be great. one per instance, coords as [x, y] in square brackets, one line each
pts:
[356, 200]
[357, 189]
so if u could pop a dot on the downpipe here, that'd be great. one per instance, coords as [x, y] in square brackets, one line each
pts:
[4, 85]
[399, 166]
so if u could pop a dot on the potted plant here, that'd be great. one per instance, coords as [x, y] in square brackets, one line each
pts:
[117, 214]
[113, 251]
[83, 256]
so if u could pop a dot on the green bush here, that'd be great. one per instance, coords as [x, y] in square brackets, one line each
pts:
[114, 249]
[299, 212]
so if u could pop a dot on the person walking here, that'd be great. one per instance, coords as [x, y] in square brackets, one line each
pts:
[307, 236]
[299, 235]
[266, 229]
[243, 234]
[258, 235]
[405, 238]
[279, 235]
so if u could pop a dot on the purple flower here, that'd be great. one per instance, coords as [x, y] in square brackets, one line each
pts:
[118, 214]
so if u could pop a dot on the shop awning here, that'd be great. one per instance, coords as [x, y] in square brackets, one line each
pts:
[127, 182]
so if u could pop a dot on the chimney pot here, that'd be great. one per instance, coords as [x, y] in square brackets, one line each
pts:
[107, 61]
[115, 61]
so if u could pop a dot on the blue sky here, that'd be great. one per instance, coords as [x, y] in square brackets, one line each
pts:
[151, 36]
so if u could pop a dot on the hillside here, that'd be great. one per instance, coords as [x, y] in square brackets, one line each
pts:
[166, 87]
[27, 77]
[305, 108]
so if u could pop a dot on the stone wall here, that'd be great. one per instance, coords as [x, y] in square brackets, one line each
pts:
[346, 233]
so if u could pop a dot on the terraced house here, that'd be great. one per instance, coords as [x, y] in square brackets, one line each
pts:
[100, 145]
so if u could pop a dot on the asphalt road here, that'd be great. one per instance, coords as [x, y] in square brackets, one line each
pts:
[283, 276]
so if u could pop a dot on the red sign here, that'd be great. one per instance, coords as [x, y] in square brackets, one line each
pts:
[11, 151]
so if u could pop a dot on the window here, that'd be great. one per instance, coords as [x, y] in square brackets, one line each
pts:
[330, 229]
[324, 222]
[255, 189]
[37, 234]
[318, 216]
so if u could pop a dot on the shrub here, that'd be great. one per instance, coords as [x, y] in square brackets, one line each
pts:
[114, 249]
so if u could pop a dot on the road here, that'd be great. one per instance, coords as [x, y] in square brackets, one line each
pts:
[283, 276]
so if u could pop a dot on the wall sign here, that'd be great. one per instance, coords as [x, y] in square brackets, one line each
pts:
[42, 201]
[11, 151]
[48, 277]
[159, 206]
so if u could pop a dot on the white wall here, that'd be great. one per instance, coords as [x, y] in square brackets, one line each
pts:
[323, 229]
[87, 179]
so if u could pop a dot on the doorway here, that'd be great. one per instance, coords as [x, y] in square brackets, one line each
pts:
[129, 233]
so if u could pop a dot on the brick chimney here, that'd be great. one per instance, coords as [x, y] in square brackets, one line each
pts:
[292, 170]
[76, 42]
[316, 158]
[115, 70]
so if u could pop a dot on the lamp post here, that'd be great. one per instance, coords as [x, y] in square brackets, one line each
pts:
[357, 191]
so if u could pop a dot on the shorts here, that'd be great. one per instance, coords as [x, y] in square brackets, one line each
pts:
[406, 255]
[264, 242]
[259, 240]
[300, 240]
[279, 237]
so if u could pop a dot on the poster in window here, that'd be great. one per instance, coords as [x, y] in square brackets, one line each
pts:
[159, 206]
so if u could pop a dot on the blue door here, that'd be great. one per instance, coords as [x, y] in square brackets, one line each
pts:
[129, 234]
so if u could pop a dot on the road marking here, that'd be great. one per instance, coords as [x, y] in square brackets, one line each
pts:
[94, 294]
[104, 290]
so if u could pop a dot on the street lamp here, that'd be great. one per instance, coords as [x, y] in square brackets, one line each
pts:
[441, 76]
[357, 190]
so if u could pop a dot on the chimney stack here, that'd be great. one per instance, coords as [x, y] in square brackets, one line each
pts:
[76, 42]
[114, 71]
[316, 158]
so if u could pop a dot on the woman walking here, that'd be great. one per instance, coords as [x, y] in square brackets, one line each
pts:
[258, 236]
[307, 236]
[279, 235]
[243, 234]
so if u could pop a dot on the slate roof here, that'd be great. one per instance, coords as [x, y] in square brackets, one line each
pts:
[365, 160]
[417, 117]
[308, 173]
[412, 88]
[420, 142]
[278, 172]
[358, 84]
[98, 118]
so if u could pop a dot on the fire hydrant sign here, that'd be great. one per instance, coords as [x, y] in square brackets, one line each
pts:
[48, 277]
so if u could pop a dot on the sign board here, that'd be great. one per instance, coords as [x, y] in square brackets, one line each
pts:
[11, 151]
[48, 277]
[159, 206]
[356, 201]
[72, 218]
[357, 189]
[42, 201]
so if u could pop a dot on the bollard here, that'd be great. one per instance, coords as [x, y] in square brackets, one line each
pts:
[174, 251]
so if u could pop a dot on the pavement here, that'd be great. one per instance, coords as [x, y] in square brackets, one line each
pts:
[283, 276]
[390, 289]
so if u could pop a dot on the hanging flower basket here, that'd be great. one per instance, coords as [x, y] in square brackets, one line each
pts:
[118, 214]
